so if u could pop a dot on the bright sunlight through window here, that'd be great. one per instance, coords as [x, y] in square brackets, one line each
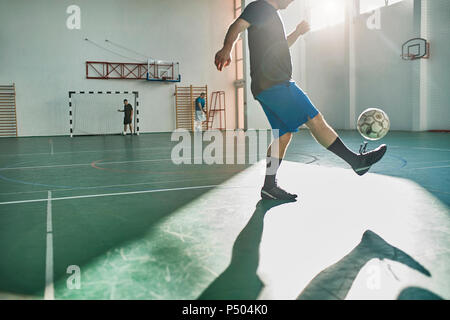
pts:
[370, 5]
[326, 13]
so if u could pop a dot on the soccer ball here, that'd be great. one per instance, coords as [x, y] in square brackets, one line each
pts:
[373, 124]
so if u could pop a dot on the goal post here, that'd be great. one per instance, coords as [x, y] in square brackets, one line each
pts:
[95, 112]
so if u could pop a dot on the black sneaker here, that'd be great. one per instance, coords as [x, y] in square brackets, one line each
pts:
[366, 160]
[276, 193]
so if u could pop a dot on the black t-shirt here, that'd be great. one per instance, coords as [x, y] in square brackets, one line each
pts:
[270, 59]
[128, 108]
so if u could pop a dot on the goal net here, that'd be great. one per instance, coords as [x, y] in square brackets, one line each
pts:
[96, 113]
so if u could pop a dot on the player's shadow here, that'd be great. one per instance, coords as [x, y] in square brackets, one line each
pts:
[415, 293]
[239, 281]
[335, 282]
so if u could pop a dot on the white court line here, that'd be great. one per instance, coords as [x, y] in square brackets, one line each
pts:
[82, 151]
[49, 293]
[106, 150]
[80, 164]
[422, 162]
[51, 146]
[434, 149]
[49, 213]
[419, 148]
[437, 167]
[111, 162]
[113, 186]
[109, 194]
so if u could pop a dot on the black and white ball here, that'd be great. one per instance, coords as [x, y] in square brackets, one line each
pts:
[373, 124]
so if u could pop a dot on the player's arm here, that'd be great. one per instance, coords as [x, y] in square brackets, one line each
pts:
[223, 57]
[301, 29]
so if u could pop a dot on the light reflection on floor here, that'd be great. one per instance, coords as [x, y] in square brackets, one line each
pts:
[194, 253]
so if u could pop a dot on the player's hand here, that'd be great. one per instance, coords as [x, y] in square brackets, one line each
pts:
[223, 58]
[303, 27]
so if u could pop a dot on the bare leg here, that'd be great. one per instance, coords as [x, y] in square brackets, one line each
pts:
[321, 131]
[281, 144]
[131, 128]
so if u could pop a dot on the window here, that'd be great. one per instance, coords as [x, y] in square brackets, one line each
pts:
[370, 5]
[326, 13]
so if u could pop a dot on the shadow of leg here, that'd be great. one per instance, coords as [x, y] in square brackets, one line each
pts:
[335, 282]
[240, 281]
[415, 293]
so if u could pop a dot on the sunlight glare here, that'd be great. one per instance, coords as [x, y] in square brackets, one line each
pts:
[326, 14]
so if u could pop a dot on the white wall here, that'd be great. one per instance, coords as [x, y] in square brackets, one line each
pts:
[382, 78]
[437, 19]
[45, 60]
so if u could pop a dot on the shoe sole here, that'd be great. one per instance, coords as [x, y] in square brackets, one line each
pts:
[364, 170]
[268, 196]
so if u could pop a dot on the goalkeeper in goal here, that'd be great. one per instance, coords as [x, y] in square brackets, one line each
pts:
[128, 116]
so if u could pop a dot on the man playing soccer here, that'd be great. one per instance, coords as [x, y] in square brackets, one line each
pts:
[127, 117]
[284, 103]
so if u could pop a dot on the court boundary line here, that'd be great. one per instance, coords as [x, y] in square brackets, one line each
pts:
[112, 186]
[435, 167]
[49, 293]
[419, 148]
[108, 194]
[106, 150]
[116, 162]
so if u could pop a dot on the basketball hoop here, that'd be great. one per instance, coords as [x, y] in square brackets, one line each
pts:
[414, 49]
[409, 56]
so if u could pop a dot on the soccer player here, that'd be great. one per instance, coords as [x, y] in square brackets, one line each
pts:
[199, 112]
[127, 117]
[284, 103]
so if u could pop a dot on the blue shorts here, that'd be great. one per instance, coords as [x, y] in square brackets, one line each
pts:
[287, 107]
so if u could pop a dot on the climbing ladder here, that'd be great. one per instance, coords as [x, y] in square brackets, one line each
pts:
[184, 103]
[8, 118]
[217, 107]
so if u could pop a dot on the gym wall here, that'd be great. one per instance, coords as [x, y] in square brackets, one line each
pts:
[45, 59]
[438, 72]
[382, 78]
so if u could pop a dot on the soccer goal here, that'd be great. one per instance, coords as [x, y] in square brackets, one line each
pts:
[95, 112]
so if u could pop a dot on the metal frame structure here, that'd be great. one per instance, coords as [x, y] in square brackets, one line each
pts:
[163, 71]
[8, 114]
[185, 108]
[150, 71]
[422, 46]
[115, 70]
[240, 72]
[136, 103]
[218, 105]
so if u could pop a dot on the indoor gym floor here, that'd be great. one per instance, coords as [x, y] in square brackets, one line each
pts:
[140, 227]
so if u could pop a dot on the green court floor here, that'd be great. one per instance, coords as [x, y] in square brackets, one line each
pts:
[137, 226]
